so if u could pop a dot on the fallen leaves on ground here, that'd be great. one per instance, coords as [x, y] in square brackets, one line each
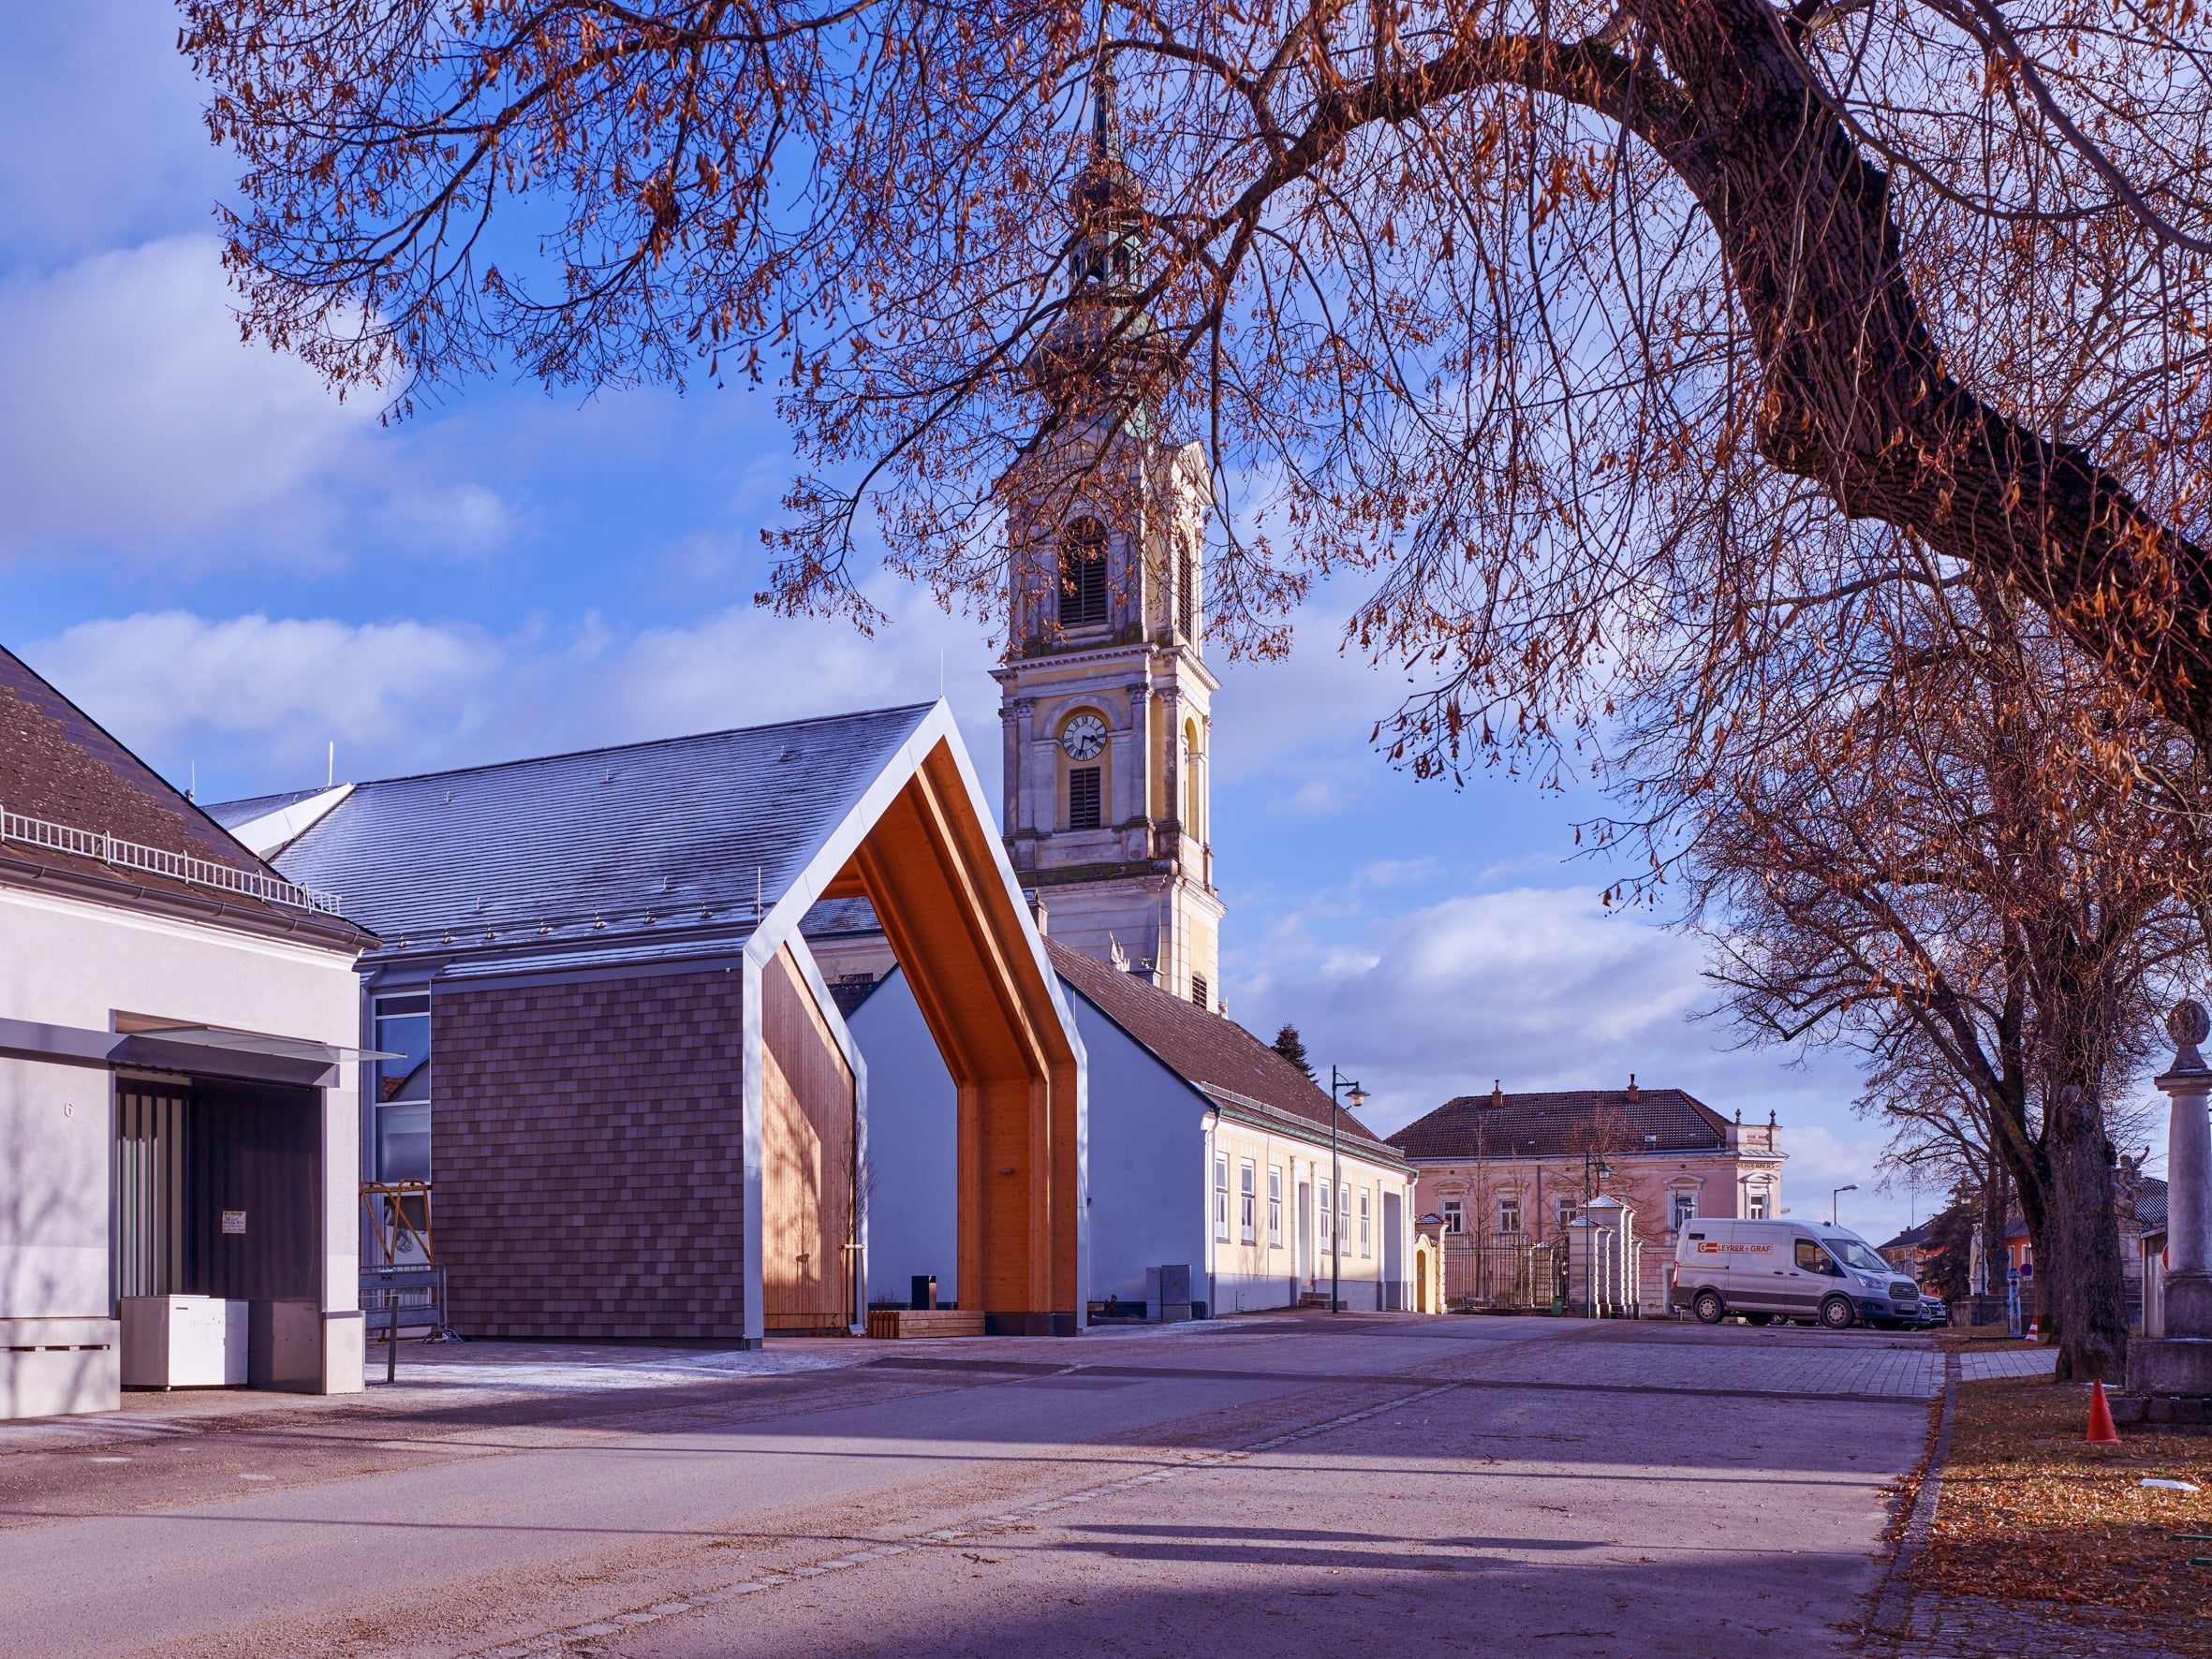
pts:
[2032, 1512]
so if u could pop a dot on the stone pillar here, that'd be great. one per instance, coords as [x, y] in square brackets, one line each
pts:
[2180, 1362]
[2189, 1177]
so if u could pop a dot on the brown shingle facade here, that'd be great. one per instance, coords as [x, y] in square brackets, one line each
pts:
[591, 1157]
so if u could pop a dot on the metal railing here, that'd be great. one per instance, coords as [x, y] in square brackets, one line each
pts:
[98, 845]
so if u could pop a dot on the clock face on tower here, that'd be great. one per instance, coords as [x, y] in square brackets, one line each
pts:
[1083, 737]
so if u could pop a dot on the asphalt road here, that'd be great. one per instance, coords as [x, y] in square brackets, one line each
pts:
[1415, 1486]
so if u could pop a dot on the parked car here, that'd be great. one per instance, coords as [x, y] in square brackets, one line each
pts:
[1787, 1269]
[1933, 1313]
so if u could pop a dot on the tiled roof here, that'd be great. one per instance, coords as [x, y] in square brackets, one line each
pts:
[1564, 1122]
[604, 847]
[58, 765]
[2151, 1203]
[1204, 1050]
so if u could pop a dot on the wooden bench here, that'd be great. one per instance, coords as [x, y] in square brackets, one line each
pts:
[899, 1324]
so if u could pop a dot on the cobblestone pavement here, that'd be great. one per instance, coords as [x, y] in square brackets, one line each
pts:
[1745, 1359]
[1978, 1364]
[1979, 1627]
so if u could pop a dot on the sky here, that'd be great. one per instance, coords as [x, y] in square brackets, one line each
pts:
[234, 571]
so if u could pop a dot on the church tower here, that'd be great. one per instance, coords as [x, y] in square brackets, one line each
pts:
[1105, 697]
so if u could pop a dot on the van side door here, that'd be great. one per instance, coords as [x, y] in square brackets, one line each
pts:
[1812, 1274]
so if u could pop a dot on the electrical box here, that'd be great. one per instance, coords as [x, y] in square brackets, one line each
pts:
[185, 1341]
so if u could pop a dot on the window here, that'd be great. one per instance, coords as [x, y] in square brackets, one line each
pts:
[1275, 1208]
[1247, 1203]
[1811, 1259]
[1363, 1220]
[1222, 1197]
[1201, 992]
[1563, 1210]
[1508, 1215]
[1454, 1215]
[1343, 1217]
[1757, 1206]
[1082, 574]
[1686, 1209]
[402, 1089]
[1083, 798]
[1328, 1222]
[1186, 595]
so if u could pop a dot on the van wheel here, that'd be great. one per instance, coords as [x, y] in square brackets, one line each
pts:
[1709, 1308]
[1837, 1314]
[1758, 1318]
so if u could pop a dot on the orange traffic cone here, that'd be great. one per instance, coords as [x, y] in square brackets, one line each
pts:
[2102, 1432]
[2034, 1331]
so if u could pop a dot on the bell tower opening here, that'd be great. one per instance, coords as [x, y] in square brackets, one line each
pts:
[1106, 700]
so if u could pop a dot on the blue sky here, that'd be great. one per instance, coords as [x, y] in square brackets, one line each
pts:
[233, 571]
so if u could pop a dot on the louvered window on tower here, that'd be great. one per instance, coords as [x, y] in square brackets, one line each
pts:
[1201, 992]
[1082, 574]
[1083, 798]
[1186, 597]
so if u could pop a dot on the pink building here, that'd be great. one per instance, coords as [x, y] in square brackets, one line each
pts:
[1506, 1175]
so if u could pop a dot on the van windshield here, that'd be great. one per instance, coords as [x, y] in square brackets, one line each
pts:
[1853, 1253]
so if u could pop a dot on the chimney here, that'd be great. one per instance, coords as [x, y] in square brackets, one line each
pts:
[1497, 1091]
[1631, 1087]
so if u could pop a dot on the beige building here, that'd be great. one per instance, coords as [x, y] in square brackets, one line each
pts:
[1507, 1176]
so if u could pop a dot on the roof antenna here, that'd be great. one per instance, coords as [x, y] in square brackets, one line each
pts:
[330, 775]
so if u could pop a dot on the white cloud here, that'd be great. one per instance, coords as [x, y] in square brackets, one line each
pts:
[253, 699]
[165, 679]
[135, 422]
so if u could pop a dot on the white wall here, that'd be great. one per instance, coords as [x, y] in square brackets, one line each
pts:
[66, 962]
[1147, 1191]
[913, 1146]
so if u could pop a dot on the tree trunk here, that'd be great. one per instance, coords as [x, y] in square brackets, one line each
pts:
[2087, 1296]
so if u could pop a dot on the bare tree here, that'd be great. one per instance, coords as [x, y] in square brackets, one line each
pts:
[1566, 316]
[1938, 834]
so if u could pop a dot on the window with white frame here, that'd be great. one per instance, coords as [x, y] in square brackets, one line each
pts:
[1454, 1215]
[1222, 1197]
[1759, 1205]
[1343, 1218]
[1685, 1208]
[1328, 1219]
[1508, 1214]
[1248, 1202]
[1274, 1206]
[1363, 1251]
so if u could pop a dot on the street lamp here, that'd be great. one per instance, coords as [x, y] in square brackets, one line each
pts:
[1358, 1096]
[1834, 1197]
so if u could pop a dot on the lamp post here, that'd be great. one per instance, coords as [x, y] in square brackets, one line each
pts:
[1358, 1096]
[1833, 1199]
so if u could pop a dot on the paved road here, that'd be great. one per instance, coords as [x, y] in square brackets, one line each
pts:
[1448, 1486]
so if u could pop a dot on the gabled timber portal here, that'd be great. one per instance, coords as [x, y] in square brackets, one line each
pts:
[931, 866]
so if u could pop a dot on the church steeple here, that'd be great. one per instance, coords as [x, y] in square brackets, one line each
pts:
[1100, 354]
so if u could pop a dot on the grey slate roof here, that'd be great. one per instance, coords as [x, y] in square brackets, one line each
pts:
[1562, 1123]
[603, 853]
[231, 813]
[1208, 1051]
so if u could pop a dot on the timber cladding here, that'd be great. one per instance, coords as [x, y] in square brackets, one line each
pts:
[808, 1143]
[589, 1159]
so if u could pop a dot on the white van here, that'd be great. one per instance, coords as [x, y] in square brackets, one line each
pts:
[1773, 1270]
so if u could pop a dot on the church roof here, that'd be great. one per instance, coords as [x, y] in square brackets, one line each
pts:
[65, 785]
[1564, 1122]
[1210, 1051]
[603, 852]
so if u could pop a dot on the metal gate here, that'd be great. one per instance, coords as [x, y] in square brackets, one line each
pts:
[149, 1187]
